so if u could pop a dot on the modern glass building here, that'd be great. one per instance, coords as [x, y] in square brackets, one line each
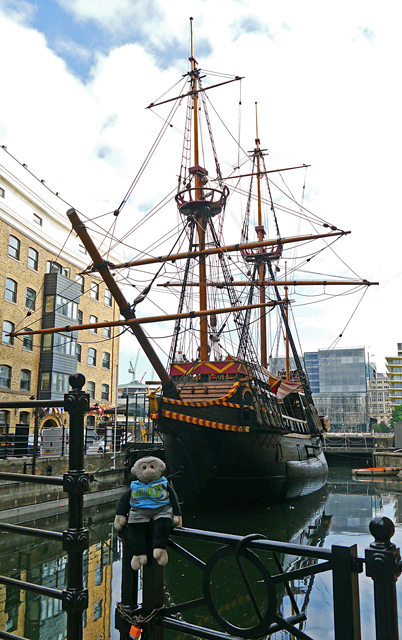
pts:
[338, 382]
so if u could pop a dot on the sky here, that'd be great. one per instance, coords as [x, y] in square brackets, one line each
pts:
[77, 75]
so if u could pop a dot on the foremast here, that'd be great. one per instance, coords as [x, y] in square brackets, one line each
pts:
[126, 309]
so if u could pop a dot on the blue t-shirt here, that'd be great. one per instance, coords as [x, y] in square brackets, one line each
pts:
[149, 496]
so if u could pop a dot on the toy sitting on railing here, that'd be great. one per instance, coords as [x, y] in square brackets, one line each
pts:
[149, 498]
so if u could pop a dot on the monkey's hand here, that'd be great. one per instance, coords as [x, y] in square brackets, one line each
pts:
[119, 522]
[177, 521]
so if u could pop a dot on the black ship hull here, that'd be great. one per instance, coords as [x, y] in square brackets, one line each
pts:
[217, 451]
[231, 467]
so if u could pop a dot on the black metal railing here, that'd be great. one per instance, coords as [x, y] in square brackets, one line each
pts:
[382, 562]
[75, 483]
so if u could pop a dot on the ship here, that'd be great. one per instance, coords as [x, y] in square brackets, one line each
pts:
[233, 431]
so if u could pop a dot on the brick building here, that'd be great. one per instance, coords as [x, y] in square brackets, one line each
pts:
[41, 287]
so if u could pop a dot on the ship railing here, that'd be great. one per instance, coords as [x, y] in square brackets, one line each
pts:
[152, 609]
[75, 482]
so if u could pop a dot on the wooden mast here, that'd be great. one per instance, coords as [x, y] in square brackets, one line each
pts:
[125, 309]
[215, 250]
[276, 283]
[201, 219]
[287, 318]
[261, 268]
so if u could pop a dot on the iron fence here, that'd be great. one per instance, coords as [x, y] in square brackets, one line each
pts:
[156, 612]
[75, 539]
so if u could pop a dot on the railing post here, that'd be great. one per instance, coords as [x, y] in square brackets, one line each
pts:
[75, 483]
[152, 596]
[129, 590]
[383, 565]
[345, 583]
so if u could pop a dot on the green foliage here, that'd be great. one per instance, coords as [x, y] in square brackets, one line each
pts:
[396, 415]
[381, 428]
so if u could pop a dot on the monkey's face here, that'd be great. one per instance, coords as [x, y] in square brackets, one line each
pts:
[148, 469]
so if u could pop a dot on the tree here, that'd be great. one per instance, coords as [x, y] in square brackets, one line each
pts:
[396, 415]
[381, 428]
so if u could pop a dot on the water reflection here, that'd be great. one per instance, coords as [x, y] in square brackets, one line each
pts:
[43, 562]
[338, 514]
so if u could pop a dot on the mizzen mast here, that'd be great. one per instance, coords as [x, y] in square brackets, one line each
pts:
[261, 269]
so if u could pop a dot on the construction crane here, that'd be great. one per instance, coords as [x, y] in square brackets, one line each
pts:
[133, 368]
[143, 377]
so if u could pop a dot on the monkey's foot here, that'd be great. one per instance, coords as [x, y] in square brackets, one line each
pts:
[138, 561]
[161, 556]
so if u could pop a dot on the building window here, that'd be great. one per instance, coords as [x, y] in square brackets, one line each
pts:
[8, 327]
[105, 392]
[45, 381]
[30, 299]
[106, 332]
[81, 282]
[47, 342]
[82, 249]
[11, 290]
[55, 267]
[49, 304]
[93, 320]
[25, 383]
[14, 247]
[92, 357]
[91, 390]
[60, 382]
[80, 316]
[67, 307]
[64, 344]
[5, 376]
[4, 418]
[78, 352]
[106, 360]
[25, 417]
[108, 298]
[33, 259]
[27, 341]
[94, 291]
[2, 193]
[37, 219]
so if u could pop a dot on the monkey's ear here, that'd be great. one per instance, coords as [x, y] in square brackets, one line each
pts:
[162, 466]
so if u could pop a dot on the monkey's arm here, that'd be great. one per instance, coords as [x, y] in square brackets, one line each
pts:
[123, 507]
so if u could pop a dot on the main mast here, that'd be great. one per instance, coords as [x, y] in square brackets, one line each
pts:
[198, 205]
[202, 217]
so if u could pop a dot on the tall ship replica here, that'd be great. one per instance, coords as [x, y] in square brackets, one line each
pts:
[232, 431]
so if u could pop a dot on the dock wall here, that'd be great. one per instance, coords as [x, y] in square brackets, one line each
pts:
[19, 500]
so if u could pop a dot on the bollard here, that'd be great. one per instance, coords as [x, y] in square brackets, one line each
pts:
[383, 565]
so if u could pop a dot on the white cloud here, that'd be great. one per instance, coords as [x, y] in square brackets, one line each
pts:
[327, 96]
[20, 11]
[68, 46]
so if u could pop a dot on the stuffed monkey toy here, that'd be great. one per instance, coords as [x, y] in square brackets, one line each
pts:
[150, 497]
